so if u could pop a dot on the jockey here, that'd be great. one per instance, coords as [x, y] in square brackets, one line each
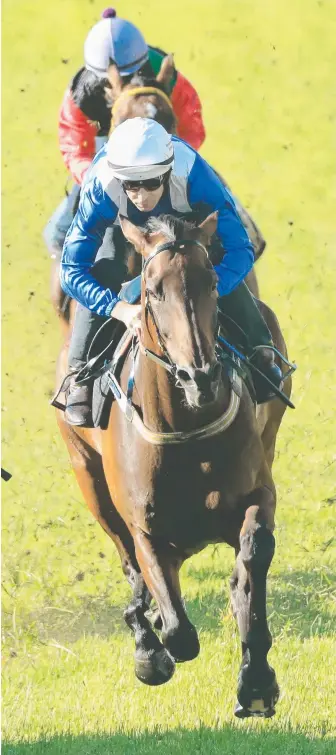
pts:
[85, 116]
[141, 172]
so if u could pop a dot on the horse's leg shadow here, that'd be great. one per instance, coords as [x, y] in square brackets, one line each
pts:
[258, 689]
[160, 568]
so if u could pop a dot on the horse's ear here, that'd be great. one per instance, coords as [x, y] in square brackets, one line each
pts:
[132, 233]
[209, 226]
[115, 79]
[166, 71]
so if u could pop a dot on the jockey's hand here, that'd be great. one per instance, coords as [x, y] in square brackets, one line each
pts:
[129, 314]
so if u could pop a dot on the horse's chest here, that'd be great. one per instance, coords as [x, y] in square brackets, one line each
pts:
[191, 499]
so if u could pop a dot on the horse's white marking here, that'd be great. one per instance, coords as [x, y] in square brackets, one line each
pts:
[151, 110]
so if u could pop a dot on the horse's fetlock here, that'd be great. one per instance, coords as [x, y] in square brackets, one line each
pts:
[258, 641]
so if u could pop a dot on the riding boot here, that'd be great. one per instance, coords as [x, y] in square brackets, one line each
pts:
[79, 397]
[108, 272]
[241, 307]
[78, 409]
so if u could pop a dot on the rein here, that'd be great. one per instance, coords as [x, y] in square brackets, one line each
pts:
[125, 400]
[133, 93]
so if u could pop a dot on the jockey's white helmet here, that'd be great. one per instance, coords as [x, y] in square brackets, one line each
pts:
[138, 149]
[114, 40]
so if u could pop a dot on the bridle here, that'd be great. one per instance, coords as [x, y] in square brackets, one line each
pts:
[124, 399]
[166, 360]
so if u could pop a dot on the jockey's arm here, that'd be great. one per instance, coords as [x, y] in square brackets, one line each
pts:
[76, 138]
[96, 212]
[204, 186]
[188, 110]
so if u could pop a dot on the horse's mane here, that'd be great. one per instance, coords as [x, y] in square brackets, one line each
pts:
[173, 228]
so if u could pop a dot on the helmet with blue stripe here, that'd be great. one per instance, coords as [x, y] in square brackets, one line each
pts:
[114, 40]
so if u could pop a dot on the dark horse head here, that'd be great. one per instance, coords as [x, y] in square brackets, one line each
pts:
[142, 95]
[179, 298]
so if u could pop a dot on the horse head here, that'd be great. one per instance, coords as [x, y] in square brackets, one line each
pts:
[142, 95]
[179, 302]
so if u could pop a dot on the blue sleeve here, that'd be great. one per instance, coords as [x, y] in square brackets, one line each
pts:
[205, 186]
[96, 212]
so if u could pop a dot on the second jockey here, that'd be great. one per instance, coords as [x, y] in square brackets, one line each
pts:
[85, 115]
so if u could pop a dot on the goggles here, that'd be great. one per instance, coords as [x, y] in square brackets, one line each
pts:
[149, 184]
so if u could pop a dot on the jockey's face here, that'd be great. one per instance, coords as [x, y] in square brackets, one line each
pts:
[144, 200]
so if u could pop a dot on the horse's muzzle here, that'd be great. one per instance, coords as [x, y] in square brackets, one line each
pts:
[200, 384]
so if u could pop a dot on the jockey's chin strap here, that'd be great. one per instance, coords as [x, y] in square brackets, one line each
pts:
[134, 92]
[164, 361]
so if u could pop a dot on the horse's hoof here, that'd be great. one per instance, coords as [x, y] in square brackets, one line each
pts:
[154, 669]
[257, 699]
[256, 710]
[183, 645]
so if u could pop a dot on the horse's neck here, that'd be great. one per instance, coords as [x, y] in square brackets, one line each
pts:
[163, 404]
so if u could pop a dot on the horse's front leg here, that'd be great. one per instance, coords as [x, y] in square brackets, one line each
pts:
[160, 566]
[258, 690]
[153, 664]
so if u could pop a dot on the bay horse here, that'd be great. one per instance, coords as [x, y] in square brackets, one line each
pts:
[189, 464]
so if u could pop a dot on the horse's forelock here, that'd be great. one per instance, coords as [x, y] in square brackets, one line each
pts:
[173, 228]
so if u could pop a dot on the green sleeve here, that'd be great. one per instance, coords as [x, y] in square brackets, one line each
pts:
[155, 56]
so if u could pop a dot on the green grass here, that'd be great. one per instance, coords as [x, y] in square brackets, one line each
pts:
[265, 72]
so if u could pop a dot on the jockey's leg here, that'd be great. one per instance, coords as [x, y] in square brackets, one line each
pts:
[242, 307]
[110, 271]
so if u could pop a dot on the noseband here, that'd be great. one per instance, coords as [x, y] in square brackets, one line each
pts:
[165, 361]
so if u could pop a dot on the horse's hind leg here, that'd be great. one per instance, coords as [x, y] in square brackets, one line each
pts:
[258, 690]
[160, 568]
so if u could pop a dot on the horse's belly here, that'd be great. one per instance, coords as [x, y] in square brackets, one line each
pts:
[191, 518]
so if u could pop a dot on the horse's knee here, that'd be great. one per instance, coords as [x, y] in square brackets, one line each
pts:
[257, 548]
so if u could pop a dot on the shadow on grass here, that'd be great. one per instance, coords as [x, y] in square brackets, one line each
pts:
[296, 600]
[203, 740]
